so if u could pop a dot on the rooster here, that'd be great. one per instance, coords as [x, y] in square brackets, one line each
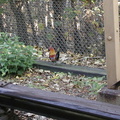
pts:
[53, 55]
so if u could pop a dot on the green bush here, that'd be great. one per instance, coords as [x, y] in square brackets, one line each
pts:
[15, 57]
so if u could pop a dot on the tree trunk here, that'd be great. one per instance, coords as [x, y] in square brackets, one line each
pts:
[2, 29]
[20, 20]
[60, 41]
[76, 33]
[32, 24]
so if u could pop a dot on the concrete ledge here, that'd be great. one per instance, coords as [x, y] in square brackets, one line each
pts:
[110, 96]
[83, 70]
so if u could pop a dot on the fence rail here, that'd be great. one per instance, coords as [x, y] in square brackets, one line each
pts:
[55, 105]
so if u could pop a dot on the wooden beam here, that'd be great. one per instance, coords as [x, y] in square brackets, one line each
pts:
[55, 105]
[112, 42]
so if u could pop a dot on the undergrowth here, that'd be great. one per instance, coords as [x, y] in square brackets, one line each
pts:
[15, 57]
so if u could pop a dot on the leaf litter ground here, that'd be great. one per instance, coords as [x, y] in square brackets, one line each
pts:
[75, 59]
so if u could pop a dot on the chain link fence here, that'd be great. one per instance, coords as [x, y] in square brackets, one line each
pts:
[70, 25]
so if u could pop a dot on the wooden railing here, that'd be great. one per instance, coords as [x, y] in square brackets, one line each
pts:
[55, 105]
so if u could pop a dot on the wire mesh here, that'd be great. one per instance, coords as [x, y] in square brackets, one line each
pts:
[70, 25]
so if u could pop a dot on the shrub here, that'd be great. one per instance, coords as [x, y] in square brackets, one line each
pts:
[15, 57]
